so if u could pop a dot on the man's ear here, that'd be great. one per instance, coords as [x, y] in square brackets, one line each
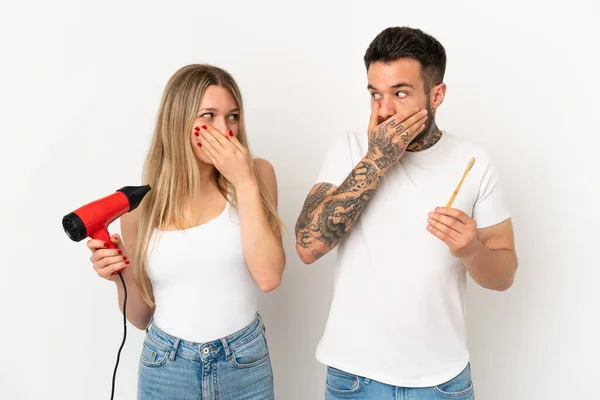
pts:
[437, 95]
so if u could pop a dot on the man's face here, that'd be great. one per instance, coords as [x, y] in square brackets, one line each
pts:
[396, 86]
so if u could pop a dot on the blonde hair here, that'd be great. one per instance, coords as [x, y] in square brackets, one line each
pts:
[171, 167]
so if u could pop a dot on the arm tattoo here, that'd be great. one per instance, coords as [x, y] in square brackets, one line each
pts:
[316, 254]
[328, 215]
[362, 176]
[313, 201]
[338, 216]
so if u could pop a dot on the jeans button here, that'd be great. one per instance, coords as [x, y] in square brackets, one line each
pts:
[205, 350]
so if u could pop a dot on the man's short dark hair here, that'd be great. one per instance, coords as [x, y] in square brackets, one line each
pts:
[404, 42]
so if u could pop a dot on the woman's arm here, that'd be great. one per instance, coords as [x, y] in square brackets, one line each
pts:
[263, 248]
[138, 312]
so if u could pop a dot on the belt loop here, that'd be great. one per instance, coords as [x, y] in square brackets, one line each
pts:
[226, 349]
[261, 323]
[149, 323]
[259, 319]
[174, 349]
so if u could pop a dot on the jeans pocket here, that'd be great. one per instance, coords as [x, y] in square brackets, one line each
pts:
[153, 355]
[251, 354]
[341, 383]
[459, 387]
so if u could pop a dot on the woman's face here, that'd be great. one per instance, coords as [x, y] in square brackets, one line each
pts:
[219, 110]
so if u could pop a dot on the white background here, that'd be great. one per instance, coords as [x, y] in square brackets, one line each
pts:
[80, 84]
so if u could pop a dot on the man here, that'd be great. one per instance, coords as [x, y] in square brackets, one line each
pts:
[397, 321]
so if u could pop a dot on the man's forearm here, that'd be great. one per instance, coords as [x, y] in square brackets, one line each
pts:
[329, 213]
[492, 269]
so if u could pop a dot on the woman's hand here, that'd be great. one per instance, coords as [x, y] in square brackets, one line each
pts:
[227, 155]
[107, 262]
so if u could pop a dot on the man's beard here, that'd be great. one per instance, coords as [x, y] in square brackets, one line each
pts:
[429, 136]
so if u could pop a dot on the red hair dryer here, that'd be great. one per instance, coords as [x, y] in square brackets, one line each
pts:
[92, 220]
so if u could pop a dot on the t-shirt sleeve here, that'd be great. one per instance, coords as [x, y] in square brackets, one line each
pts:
[490, 207]
[337, 164]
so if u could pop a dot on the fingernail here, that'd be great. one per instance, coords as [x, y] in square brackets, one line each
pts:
[197, 128]
[204, 127]
[125, 258]
[126, 262]
[199, 144]
[423, 112]
[438, 209]
[106, 245]
[197, 133]
[230, 132]
[120, 251]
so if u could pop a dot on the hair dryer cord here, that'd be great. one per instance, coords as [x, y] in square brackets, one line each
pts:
[112, 395]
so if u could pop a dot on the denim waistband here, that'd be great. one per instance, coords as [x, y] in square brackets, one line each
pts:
[193, 350]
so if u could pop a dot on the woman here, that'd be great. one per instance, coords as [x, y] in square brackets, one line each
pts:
[201, 244]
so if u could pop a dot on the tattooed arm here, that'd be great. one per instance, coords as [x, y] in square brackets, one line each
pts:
[330, 212]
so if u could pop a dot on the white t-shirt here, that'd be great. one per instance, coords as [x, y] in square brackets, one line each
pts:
[398, 309]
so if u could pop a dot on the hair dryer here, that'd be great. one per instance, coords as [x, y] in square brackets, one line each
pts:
[92, 220]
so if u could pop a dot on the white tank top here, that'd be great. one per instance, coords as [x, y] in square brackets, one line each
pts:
[202, 287]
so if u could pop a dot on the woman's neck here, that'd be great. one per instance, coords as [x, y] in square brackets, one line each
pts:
[207, 175]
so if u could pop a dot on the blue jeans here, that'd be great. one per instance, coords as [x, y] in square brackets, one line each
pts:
[236, 367]
[342, 385]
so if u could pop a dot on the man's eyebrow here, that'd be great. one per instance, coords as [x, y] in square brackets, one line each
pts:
[396, 86]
